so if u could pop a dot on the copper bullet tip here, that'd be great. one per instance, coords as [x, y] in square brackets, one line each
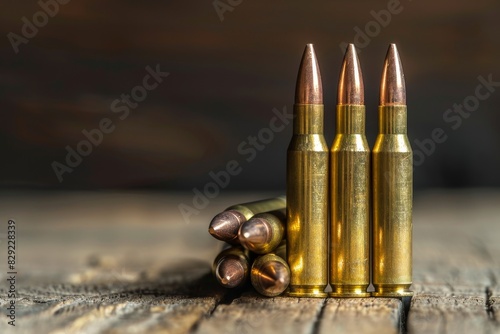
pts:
[274, 278]
[351, 87]
[225, 225]
[392, 86]
[231, 272]
[309, 89]
[254, 234]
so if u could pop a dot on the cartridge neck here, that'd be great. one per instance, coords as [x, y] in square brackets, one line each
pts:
[308, 119]
[350, 119]
[392, 119]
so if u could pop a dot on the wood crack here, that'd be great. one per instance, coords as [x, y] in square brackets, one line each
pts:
[404, 313]
[317, 321]
[226, 299]
[489, 305]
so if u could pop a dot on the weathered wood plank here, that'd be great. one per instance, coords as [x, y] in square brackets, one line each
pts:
[454, 263]
[110, 262]
[362, 315]
[251, 313]
[128, 263]
[449, 254]
[171, 300]
[439, 314]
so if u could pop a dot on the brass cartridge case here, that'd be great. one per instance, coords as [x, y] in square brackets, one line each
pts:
[225, 225]
[350, 205]
[392, 168]
[253, 208]
[307, 203]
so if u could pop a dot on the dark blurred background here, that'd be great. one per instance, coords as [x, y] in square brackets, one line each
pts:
[230, 63]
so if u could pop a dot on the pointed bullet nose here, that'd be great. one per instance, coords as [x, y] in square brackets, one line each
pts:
[225, 225]
[351, 87]
[392, 86]
[274, 277]
[230, 273]
[309, 89]
[254, 234]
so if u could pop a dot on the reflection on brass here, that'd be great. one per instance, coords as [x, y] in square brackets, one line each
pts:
[307, 186]
[350, 187]
[392, 187]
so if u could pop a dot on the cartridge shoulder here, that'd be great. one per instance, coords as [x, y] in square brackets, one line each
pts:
[350, 143]
[392, 143]
[309, 142]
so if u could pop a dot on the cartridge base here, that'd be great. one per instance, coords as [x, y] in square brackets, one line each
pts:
[349, 291]
[349, 295]
[393, 291]
[309, 292]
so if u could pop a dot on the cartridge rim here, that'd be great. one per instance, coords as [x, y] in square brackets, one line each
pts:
[392, 294]
[307, 294]
[392, 290]
[310, 291]
[349, 294]
[351, 290]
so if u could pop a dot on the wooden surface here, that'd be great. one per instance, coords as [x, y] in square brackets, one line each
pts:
[128, 263]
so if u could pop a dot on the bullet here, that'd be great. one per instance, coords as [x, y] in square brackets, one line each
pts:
[350, 187]
[307, 186]
[263, 232]
[231, 267]
[270, 274]
[225, 225]
[392, 187]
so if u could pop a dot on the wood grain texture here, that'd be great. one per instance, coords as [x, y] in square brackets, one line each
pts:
[128, 263]
[433, 313]
[171, 301]
[456, 264]
[252, 313]
[362, 315]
